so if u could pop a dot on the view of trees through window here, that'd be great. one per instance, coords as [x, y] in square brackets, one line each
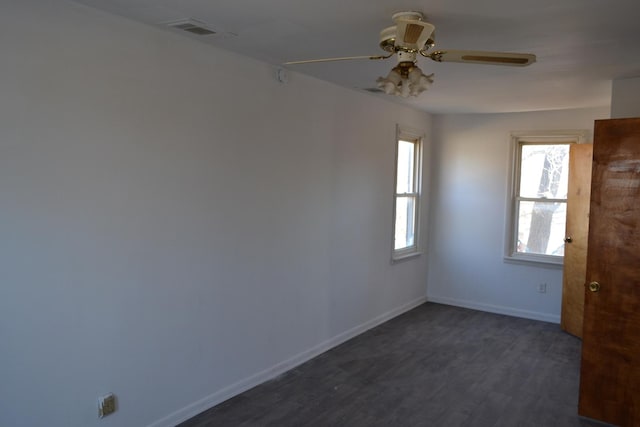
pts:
[542, 198]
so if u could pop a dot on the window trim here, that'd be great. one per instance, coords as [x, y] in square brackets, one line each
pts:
[519, 138]
[407, 134]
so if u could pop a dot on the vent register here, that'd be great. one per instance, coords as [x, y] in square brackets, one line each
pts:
[192, 26]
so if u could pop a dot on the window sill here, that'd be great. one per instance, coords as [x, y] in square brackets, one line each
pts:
[535, 260]
[404, 257]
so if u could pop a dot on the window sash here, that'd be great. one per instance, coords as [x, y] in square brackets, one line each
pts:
[409, 225]
[407, 178]
[519, 140]
[552, 241]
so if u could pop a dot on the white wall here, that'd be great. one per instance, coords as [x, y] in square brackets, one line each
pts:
[625, 95]
[471, 161]
[176, 226]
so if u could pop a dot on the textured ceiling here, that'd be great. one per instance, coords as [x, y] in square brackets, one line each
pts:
[581, 45]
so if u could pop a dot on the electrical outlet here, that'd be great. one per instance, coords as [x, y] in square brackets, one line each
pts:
[106, 405]
[542, 288]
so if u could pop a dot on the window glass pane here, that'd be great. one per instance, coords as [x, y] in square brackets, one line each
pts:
[544, 170]
[405, 220]
[541, 228]
[406, 162]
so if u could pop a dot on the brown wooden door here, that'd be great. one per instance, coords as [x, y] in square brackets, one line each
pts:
[577, 229]
[610, 373]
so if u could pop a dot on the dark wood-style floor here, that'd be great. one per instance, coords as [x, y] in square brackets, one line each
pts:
[433, 366]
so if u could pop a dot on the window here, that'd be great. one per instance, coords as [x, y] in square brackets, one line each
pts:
[407, 195]
[539, 196]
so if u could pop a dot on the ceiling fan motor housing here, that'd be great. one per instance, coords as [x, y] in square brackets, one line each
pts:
[410, 33]
[410, 15]
[404, 56]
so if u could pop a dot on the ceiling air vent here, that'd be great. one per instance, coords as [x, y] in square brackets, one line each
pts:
[192, 26]
[373, 90]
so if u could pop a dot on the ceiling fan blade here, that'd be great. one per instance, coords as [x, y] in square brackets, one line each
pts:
[413, 34]
[343, 58]
[483, 57]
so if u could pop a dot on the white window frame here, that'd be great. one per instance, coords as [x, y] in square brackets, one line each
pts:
[519, 139]
[416, 137]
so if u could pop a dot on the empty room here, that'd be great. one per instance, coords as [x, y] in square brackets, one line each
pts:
[305, 213]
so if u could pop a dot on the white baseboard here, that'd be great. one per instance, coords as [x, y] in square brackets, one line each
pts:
[279, 368]
[498, 309]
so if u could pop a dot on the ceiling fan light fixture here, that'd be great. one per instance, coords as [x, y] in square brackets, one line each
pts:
[419, 82]
[391, 83]
[405, 79]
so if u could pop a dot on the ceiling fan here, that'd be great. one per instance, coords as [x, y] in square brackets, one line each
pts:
[412, 35]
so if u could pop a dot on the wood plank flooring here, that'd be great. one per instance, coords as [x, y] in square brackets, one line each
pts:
[433, 366]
